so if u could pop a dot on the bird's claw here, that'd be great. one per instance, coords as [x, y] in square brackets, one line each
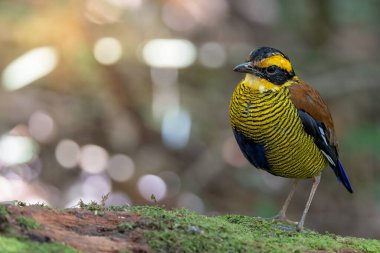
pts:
[282, 218]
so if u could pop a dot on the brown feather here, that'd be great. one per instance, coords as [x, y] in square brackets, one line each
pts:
[309, 100]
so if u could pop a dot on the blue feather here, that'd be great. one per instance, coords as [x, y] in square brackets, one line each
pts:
[342, 176]
[254, 152]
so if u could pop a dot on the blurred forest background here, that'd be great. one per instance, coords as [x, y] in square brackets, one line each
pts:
[130, 97]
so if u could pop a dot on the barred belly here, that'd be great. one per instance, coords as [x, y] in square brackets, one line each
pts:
[270, 119]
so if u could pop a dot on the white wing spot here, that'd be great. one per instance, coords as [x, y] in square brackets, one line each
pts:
[328, 158]
[323, 135]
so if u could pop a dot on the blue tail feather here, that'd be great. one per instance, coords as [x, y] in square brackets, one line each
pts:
[342, 176]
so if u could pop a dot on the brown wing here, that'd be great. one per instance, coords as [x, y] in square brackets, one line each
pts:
[308, 99]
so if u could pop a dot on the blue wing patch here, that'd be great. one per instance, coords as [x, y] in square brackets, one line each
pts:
[254, 152]
[317, 130]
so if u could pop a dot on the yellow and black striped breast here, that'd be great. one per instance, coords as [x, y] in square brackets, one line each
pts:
[270, 133]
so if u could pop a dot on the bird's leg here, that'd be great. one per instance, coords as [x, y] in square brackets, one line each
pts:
[282, 214]
[317, 179]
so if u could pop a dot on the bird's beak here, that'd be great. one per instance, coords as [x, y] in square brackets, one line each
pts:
[245, 67]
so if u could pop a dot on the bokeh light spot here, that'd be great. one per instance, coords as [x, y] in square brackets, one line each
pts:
[120, 167]
[93, 158]
[96, 186]
[20, 188]
[17, 149]
[6, 190]
[29, 67]
[149, 185]
[108, 50]
[67, 153]
[176, 127]
[169, 53]
[41, 126]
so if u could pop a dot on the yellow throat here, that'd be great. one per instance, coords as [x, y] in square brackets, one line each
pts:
[260, 85]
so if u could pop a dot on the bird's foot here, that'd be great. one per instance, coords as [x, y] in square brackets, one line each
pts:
[281, 217]
[299, 226]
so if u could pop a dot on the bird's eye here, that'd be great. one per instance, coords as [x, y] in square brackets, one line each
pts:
[271, 69]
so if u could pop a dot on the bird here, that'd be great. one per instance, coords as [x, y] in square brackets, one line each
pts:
[282, 125]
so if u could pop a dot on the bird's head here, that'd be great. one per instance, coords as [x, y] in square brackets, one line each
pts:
[267, 69]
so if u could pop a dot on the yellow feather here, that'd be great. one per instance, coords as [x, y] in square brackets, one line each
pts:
[277, 60]
[257, 84]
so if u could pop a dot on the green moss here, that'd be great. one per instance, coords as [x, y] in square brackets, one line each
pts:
[185, 231]
[92, 206]
[118, 208]
[98, 208]
[4, 211]
[13, 245]
[124, 227]
[27, 222]
[4, 215]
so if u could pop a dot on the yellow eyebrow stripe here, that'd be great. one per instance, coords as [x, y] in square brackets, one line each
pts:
[277, 60]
